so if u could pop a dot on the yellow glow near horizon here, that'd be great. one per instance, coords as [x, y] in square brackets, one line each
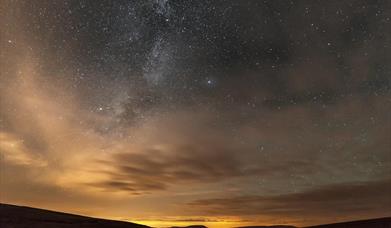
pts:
[162, 224]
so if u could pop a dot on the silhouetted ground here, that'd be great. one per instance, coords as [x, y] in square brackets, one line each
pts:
[12, 216]
[370, 223]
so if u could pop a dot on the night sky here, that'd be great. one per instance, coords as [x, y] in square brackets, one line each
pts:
[222, 113]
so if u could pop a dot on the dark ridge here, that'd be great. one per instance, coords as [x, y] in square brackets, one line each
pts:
[369, 223]
[12, 216]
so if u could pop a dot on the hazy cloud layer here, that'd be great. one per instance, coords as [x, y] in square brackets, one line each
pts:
[333, 200]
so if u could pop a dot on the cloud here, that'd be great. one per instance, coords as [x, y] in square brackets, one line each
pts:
[338, 200]
[151, 171]
[168, 150]
[14, 151]
[185, 148]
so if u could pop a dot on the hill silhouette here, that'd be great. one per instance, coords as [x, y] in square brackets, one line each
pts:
[369, 223]
[12, 216]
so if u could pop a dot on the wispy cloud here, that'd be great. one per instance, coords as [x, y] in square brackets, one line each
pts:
[360, 198]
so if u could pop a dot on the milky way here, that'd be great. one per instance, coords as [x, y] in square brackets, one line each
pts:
[178, 112]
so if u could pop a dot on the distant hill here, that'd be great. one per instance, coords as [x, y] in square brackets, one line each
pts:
[12, 216]
[370, 223]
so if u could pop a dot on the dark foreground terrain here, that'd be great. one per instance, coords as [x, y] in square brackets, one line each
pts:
[26, 217]
[12, 216]
[370, 223]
